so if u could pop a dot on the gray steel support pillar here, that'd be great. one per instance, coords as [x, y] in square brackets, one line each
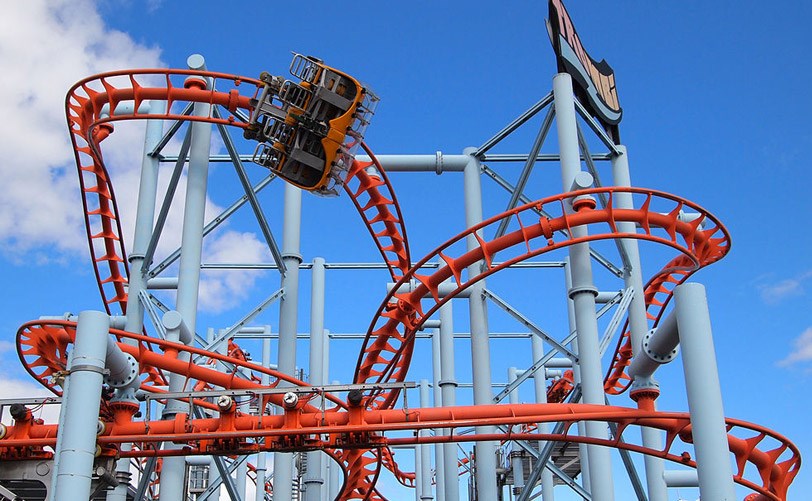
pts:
[540, 387]
[516, 464]
[439, 472]
[448, 387]
[314, 480]
[583, 453]
[80, 409]
[425, 449]
[480, 349]
[144, 217]
[288, 316]
[259, 495]
[583, 293]
[262, 457]
[418, 472]
[704, 393]
[638, 324]
[174, 467]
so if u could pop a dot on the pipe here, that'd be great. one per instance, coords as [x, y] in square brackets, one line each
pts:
[658, 347]
[448, 388]
[314, 480]
[436, 377]
[444, 289]
[80, 409]
[144, 217]
[540, 388]
[480, 350]
[583, 453]
[173, 470]
[583, 292]
[288, 316]
[516, 463]
[638, 323]
[438, 162]
[261, 469]
[704, 393]
[162, 283]
[424, 449]
[681, 478]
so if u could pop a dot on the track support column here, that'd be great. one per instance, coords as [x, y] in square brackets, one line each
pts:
[314, 480]
[704, 393]
[540, 388]
[174, 468]
[480, 350]
[638, 325]
[448, 387]
[583, 292]
[145, 215]
[288, 316]
[80, 411]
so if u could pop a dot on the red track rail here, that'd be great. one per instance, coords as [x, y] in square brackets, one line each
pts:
[774, 458]
[388, 345]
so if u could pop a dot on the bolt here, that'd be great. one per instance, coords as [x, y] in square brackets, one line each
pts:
[290, 400]
[354, 397]
[225, 403]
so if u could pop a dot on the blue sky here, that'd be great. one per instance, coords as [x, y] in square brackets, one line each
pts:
[715, 106]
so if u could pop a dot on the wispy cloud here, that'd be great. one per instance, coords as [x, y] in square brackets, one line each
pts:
[776, 292]
[16, 388]
[802, 351]
[45, 47]
[6, 346]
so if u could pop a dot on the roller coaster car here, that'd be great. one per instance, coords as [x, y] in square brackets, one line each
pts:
[308, 130]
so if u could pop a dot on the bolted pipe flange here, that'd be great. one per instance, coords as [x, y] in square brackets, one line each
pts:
[225, 403]
[660, 358]
[124, 377]
[583, 202]
[289, 400]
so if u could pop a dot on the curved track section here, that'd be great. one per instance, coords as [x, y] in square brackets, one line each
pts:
[761, 454]
[91, 106]
[658, 293]
[388, 345]
[380, 211]
[88, 109]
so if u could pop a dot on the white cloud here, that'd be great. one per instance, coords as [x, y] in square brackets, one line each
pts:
[776, 292]
[16, 388]
[45, 47]
[803, 349]
[221, 290]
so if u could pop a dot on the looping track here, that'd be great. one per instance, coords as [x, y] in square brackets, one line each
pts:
[356, 436]
[388, 345]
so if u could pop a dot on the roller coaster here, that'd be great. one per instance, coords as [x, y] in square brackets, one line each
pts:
[308, 132]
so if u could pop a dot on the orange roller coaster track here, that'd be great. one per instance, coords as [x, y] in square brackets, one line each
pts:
[355, 435]
[356, 428]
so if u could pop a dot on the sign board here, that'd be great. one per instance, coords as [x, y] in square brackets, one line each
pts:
[594, 80]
